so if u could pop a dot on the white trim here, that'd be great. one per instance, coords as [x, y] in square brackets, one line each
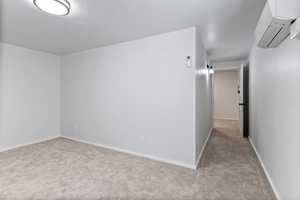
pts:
[224, 118]
[203, 148]
[226, 68]
[178, 163]
[265, 170]
[29, 143]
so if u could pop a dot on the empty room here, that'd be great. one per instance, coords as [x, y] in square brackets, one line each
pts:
[140, 100]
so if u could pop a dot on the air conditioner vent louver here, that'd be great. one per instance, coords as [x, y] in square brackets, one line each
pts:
[275, 33]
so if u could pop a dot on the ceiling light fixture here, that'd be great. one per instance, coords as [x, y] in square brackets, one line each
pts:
[55, 7]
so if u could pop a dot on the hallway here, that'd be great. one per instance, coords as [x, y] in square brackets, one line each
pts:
[65, 169]
[231, 166]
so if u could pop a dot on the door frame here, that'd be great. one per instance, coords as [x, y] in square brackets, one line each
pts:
[244, 100]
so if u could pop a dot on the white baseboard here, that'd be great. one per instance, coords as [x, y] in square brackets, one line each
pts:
[203, 148]
[221, 118]
[178, 163]
[29, 143]
[265, 170]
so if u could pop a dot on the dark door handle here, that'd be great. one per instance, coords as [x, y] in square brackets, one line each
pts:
[242, 104]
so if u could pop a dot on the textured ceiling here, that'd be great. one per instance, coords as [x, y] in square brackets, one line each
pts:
[227, 25]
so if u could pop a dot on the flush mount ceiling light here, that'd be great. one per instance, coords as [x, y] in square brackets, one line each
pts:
[55, 7]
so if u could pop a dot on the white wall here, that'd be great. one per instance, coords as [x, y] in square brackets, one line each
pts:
[275, 111]
[226, 98]
[29, 96]
[136, 96]
[203, 97]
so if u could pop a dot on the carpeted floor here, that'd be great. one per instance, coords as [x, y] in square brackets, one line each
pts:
[64, 169]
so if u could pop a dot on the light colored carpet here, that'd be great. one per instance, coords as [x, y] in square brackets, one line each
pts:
[64, 169]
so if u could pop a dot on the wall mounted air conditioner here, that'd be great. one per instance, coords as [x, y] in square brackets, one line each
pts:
[275, 22]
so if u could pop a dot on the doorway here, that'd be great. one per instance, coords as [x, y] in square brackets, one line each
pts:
[226, 100]
[231, 99]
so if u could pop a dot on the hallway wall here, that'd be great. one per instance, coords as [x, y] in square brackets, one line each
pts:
[275, 111]
[226, 98]
[203, 98]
